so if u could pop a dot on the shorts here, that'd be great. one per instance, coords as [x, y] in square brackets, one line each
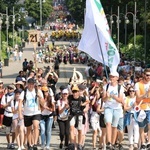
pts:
[112, 116]
[7, 121]
[80, 122]
[102, 122]
[95, 125]
[28, 120]
[146, 120]
[120, 124]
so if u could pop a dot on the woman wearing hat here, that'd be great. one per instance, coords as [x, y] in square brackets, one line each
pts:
[19, 85]
[63, 122]
[47, 118]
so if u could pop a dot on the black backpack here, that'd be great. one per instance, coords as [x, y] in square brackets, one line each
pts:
[119, 87]
[91, 72]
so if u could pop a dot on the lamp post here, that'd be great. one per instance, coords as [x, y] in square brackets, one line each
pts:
[41, 1]
[13, 22]
[118, 26]
[135, 21]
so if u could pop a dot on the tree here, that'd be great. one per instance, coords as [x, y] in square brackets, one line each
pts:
[33, 9]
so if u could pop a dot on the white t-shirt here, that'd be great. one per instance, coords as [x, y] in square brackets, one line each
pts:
[113, 90]
[130, 101]
[14, 104]
[61, 103]
[4, 101]
[31, 107]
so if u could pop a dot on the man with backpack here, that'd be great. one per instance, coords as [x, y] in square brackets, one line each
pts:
[113, 98]
[77, 119]
[7, 120]
[31, 98]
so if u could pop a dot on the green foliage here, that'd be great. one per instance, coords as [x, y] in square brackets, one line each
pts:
[33, 9]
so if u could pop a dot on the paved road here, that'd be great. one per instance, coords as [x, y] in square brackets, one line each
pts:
[9, 74]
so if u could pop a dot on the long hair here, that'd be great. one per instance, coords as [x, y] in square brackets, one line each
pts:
[49, 100]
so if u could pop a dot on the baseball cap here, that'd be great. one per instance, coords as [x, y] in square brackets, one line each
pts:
[115, 73]
[141, 116]
[75, 88]
[31, 80]
[65, 91]
[51, 74]
[1, 81]
[44, 88]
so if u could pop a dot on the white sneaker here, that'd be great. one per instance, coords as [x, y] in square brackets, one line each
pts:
[19, 148]
[47, 148]
[42, 147]
[22, 147]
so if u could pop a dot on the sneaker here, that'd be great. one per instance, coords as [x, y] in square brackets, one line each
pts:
[120, 147]
[8, 146]
[12, 146]
[22, 147]
[61, 145]
[35, 147]
[42, 147]
[47, 148]
[148, 146]
[19, 148]
[30, 148]
[110, 146]
[79, 147]
[143, 147]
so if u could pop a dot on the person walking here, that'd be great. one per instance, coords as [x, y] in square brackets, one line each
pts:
[142, 89]
[130, 119]
[31, 98]
[63, 118]
[7, 120]
[113, 98]
[47, 118]
[17, 126]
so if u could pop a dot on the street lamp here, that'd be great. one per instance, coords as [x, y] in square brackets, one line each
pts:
[118, 21]
[135, 21]
[13, 22]
[41, 1]
[0, 35]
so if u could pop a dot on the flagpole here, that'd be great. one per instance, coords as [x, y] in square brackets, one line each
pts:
[101, 53]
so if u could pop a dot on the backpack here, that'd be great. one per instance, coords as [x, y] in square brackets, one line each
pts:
[91, 72]
[119, 87]
[25, 92]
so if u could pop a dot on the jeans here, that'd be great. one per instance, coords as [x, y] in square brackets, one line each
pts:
[46, 130]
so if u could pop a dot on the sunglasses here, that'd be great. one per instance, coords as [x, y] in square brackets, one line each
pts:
[65, 94]
[74, 91]
[131, 91]
[148, 75]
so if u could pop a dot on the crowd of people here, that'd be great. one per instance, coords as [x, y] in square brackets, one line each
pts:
[110, 107]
